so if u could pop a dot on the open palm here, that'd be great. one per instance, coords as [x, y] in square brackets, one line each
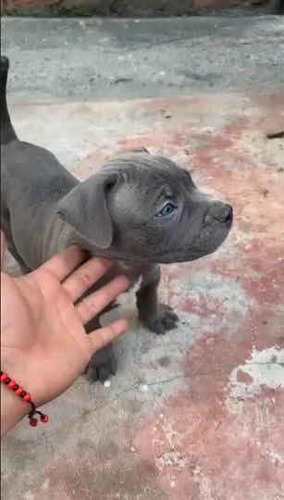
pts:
[44, 345]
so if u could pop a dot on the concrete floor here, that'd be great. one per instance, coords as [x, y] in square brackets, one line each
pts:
[79, 59]
[199, 413]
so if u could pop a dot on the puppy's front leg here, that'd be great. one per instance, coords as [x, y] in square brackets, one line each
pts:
[103, 364]
[159, 318]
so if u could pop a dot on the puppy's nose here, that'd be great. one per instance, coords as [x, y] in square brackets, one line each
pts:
[221, 212]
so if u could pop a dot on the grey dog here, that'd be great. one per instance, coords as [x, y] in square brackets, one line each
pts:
[139, 210]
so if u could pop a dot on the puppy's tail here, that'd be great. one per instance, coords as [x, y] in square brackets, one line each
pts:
[8, 133]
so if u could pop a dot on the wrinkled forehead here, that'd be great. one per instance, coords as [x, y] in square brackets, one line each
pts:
[141, 168]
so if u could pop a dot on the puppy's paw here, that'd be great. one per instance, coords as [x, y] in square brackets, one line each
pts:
[102, 366]
[165, 320]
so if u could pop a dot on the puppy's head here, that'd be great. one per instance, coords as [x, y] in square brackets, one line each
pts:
[145, 208]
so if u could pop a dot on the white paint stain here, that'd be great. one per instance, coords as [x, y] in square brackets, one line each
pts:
[143, 388]
[275, 458]
[173, 459]
[264, 369]
[29, 495]
[206, 488]
[46, 484]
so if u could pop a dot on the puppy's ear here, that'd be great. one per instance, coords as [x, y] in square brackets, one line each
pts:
[188, 176]
[85, 208]
[140, 150]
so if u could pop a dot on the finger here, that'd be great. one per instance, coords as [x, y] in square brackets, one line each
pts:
[3, 247]
[102, 337]
[89, 307]
[85, 276]
[62, 264]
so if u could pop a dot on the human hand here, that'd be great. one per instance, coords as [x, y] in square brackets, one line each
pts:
[44, 346]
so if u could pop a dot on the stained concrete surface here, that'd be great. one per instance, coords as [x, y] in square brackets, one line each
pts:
[110, 58]
[197, 414]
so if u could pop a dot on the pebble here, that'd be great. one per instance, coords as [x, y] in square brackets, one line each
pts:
[144, 387]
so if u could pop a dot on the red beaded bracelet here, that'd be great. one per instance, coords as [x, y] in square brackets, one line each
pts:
[25, 396]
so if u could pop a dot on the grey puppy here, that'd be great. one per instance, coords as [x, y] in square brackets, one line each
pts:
[140, 210]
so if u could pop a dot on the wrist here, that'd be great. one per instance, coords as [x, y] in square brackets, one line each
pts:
[14, 364]
[13, 409]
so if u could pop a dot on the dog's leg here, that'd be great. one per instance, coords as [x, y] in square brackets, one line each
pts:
[103, 363]
[157, 317]
[6, 228]
[8, 133]
[23, 268]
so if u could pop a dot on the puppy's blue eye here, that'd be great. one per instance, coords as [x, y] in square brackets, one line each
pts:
[167, 209]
